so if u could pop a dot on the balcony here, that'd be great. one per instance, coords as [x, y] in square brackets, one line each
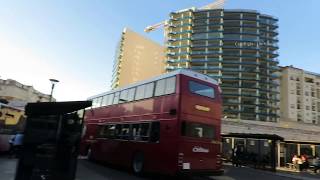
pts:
[177, 60]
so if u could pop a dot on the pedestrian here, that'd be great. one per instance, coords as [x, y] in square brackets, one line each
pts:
[316, 164]
[11, 152]
[234, 157]
[17, 144]
[295, 162]
[300, 162]
[305, 163]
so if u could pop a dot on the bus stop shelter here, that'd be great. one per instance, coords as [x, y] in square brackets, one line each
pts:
[259, 150]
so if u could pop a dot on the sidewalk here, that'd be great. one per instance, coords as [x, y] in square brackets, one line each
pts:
[287, 173]
[308, 175]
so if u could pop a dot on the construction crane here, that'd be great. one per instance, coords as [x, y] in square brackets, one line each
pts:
[155, 26]
[219, 4]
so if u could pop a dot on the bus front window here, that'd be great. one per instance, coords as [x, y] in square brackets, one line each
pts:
[201, 89]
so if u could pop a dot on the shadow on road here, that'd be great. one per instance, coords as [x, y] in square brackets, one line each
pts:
[101, 171]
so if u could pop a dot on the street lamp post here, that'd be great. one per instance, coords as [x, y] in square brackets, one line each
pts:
[53, 82]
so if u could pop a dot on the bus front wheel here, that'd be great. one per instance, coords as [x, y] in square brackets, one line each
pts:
[138, 163]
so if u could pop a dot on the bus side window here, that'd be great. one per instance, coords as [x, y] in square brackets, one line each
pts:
[131, 94]
[100, 131]
[155, 132]
[111, 129]
[160, 86]
[149, 90]
[117, 134]
[135, 132]
[144, 131]
[123, 96]
[99, 102]
[170, 85]
[116, 98]
[140, 92]
[125, 131]
[94, 102]
[104, 100]
[110, 99]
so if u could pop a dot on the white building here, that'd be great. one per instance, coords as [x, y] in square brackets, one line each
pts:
[300, 95]
[19, 94]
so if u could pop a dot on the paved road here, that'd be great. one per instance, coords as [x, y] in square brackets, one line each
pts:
[92, 171]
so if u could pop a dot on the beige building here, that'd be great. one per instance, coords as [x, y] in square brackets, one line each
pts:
[300, 95]
[19, 94]
[137, 58]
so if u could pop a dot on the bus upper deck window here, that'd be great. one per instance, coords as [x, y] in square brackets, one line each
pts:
[131, 94]
[170, 85]
[201, 89]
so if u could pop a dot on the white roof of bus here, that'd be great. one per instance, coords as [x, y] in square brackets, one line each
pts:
[163, 76]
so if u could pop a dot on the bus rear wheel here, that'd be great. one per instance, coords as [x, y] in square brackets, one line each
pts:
[138, 163]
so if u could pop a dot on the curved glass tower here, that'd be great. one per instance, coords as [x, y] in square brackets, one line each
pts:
[237, 47]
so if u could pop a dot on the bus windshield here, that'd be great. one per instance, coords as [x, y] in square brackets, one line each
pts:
[201, 89]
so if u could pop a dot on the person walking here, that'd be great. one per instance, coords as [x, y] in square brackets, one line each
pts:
[234, 157]
[17, 143]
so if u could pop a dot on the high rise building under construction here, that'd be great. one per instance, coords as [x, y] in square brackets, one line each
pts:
[237, 47]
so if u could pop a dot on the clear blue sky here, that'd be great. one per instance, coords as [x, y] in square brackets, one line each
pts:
[74, 41]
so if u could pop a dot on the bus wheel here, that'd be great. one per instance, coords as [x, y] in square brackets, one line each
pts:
[138, 163]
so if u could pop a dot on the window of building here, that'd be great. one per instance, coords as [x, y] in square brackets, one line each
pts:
[307, 107]
[201, 89]
[291, 78]
[306, 93]
[298, 92]
[292, 106]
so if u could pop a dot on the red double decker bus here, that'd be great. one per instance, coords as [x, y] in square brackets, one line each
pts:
[169, 124]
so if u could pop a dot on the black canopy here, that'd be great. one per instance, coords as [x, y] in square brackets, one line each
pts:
[254, 136]
[52, 108]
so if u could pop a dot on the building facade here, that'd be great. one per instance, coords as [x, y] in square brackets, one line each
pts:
[300, 95]
[137, 58]
[237, 47]
[18, 95]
